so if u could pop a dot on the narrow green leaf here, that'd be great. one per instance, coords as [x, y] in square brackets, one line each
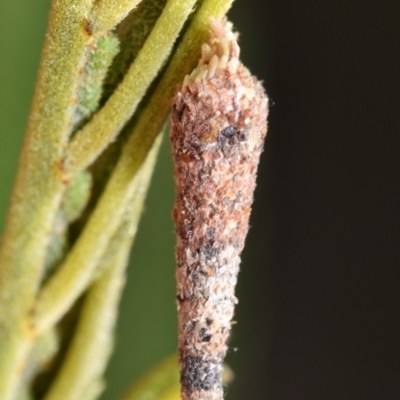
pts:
[99, 56]
[88, 143]
[132, 33]
[78, 269]
[92, 342]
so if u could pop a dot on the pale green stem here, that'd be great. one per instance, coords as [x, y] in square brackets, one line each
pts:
[106, 14]
[78, 269]
[39, 187]
[89, 351]
[97, 134]
[76, 272]
[156, 382]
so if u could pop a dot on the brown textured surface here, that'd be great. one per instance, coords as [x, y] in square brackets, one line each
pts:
[218, 129]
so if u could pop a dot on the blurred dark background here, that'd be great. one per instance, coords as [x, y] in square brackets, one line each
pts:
[319, 286]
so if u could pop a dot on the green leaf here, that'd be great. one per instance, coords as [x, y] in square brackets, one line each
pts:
[92, 343]
[99, 57]
[107, 123]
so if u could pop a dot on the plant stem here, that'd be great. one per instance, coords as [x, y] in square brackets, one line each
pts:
[88, 143]
[39, 187]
